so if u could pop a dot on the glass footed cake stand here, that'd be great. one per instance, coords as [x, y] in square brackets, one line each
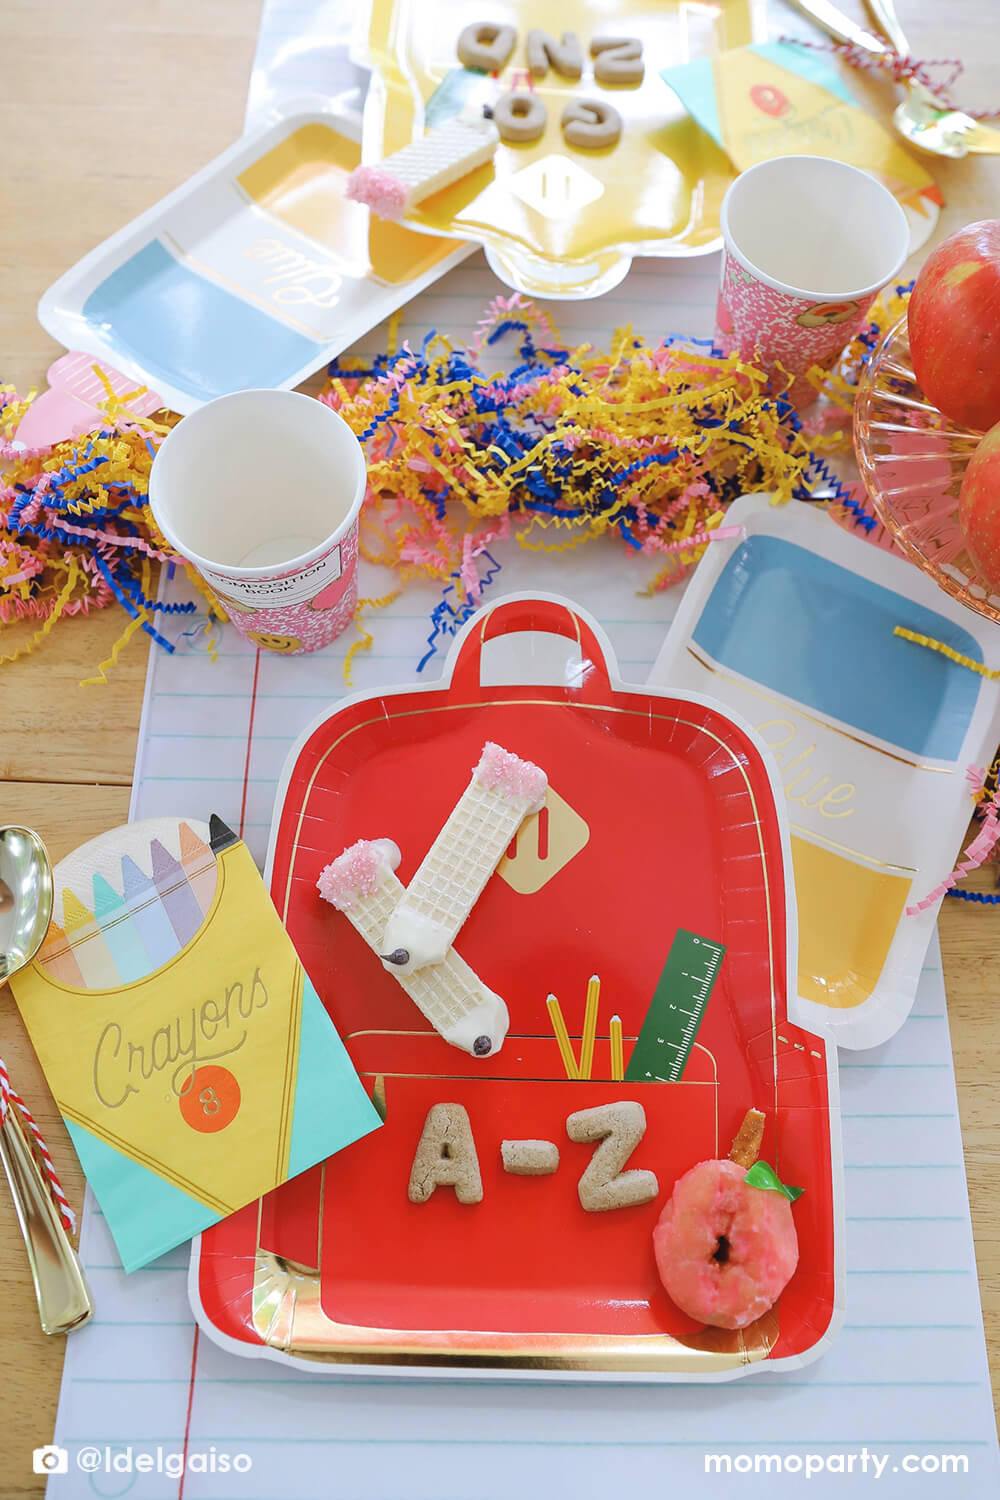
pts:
[912, 459]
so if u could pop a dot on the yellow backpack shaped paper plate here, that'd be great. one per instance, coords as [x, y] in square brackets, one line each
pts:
[558, 220]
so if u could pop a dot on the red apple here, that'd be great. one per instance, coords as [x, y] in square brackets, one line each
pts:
[979, 507]
[954, 323]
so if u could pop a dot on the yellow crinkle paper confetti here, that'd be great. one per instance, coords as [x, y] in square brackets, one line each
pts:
[646, 442]
[76, 532]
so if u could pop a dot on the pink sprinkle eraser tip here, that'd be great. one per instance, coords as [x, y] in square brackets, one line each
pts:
[355, 873]
[382, 192]
[502, 771]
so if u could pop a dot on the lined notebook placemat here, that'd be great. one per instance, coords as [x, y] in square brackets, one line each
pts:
[906, 1382]
[905, 1387]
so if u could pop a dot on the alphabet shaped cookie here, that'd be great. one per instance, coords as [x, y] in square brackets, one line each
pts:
[619, 1128]
[544, 52]
[591, 124]
[617, 59]
[486, 46]
[446, 1157]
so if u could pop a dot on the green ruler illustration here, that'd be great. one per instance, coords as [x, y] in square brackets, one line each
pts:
[685, 986]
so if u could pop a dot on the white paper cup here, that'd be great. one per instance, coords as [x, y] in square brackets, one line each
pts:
[809, 242]
[261, 491]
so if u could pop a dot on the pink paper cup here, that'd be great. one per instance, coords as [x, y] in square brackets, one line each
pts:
[261, 492]
[808, 243]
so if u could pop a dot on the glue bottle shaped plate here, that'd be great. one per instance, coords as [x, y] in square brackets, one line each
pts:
[254, 273]
[793, 627]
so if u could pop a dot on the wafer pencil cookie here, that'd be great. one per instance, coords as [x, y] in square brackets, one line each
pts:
[391, 188]
[362, 884]
[503, 791]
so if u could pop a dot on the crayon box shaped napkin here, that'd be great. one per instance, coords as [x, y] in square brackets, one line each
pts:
[778, 99]
[189, 1054]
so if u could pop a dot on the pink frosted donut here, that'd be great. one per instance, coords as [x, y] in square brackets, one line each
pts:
[725, 1250]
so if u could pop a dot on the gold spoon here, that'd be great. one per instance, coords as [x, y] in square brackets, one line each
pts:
[64, 1300]
[921, 118]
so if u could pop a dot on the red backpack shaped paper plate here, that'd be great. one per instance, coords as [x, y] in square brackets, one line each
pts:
[659, 864]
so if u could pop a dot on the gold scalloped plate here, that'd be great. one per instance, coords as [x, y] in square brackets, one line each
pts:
[554, 221]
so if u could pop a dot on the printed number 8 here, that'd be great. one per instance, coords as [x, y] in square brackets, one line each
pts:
[212, 1101]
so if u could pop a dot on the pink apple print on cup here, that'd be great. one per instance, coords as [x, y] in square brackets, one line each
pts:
[327, 598]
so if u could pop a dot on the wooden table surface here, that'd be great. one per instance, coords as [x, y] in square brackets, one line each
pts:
[105, 107]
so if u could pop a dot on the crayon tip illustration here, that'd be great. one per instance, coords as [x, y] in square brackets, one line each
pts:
[142, 899]
[178, 899]
[106, 898]
[120, 931]
[192, 847]
[198, 863]
[56, 956]
[135, 883]
[90, 950]
[221, 835]
[75, 914]
[55, 939]
[165, 868]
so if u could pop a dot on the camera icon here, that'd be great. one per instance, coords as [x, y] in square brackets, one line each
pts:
[50, 1460]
